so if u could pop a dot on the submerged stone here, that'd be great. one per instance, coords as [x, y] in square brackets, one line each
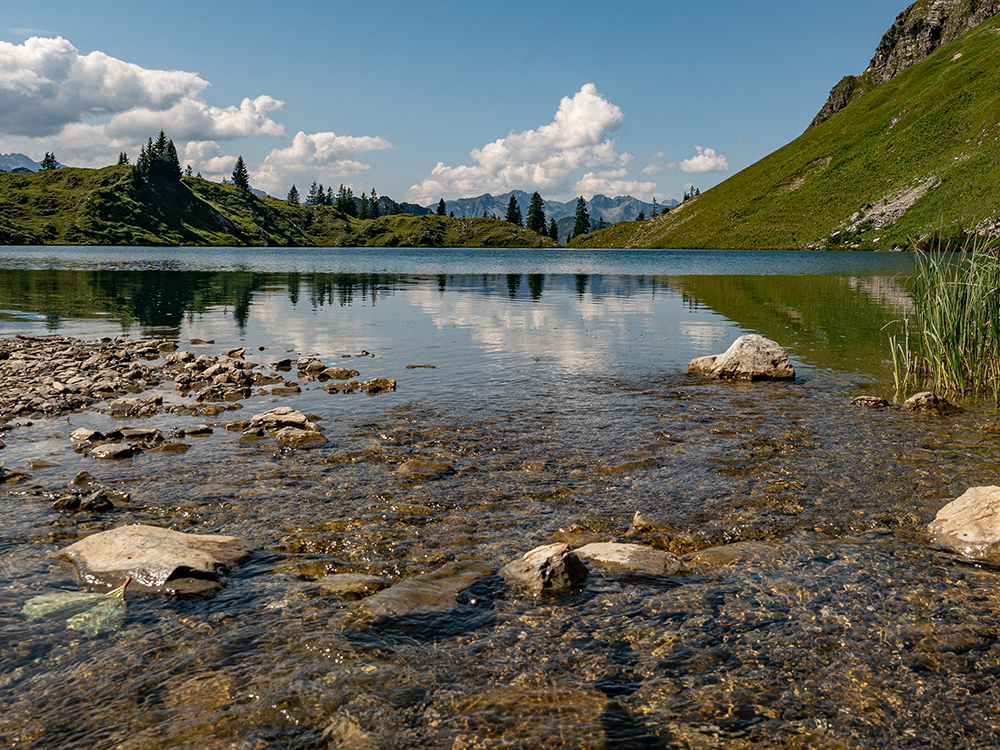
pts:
[157, 559]
[432, 592]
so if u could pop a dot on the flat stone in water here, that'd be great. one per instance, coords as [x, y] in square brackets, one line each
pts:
[418, 467]
[112, 451]
[157, 559]
[436, 591]
[634, 558]
[352, 585]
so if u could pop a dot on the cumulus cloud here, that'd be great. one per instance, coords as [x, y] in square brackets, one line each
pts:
[543, 159]
[47, 86]
[706, 161]
[319, 156]
[615, 182]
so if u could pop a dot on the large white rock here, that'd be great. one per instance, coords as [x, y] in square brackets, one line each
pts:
[970, 525]
[157, 559]
[751, 357]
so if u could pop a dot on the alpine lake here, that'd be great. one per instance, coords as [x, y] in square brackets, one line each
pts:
[554, 387]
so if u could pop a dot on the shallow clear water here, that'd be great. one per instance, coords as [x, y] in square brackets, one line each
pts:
[559, 394]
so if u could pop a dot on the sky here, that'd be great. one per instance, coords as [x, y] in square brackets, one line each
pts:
[427, 100]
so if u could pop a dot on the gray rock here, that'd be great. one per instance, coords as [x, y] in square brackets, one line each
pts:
[552, 569]
[84, 435]
[337, 373]
[283, 416]
[634, 558]
[870, 402]
[436, 591]
[157, 559]
[970, 525]
[751, 357]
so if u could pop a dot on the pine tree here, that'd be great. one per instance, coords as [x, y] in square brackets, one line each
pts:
[641, 216]
[442, 209]
[536, 214]
[656, 210]
[582, 223]
[123, 159]
[157, 165]
[315, 195]
[514, 212]
[293, 196]
[363, 209]
[553, 230]
[373, 209]
[241, 176]
[188, 172]
[600, 223]
[49, 162]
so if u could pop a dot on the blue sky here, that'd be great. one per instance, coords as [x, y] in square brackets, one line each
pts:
[422, 100]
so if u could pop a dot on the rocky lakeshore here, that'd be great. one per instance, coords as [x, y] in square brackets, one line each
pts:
[307, 568]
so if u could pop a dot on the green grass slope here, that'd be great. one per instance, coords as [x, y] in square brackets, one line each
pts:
[96, 207]
[916, 158]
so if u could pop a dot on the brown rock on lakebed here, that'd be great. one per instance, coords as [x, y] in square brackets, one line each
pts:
[157, 559]
[632, 558]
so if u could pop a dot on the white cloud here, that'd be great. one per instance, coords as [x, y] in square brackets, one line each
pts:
[543, 159]
[706, 161]
[319, 156]
[90, 107]
[615, 182]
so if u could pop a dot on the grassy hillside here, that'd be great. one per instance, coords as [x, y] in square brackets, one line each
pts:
[95, 206]
[917, 157]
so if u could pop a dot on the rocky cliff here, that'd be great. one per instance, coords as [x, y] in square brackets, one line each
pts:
[917, 31]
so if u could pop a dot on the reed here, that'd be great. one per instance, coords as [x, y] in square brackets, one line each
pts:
[956, 324]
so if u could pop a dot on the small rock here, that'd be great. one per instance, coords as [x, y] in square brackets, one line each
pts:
[378, 385]
[751, 357]
[870, 402]
[928, 401]
[549, 570]
[166, 347]
[352, 586]
[112, 451]
[97, 502]
[169, 448]
[201, 430]
[84, 435]
[296, 436]
[37, 463]
[419, 468]
[82, 479]
[436, 591]
[337, 373]
[634, 558]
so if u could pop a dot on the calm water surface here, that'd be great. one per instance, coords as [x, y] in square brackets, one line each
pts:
[559, 393]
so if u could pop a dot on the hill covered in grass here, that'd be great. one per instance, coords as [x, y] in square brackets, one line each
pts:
[98, 207]
[916, 158]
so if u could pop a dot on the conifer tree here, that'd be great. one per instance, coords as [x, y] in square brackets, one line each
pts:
[363, 209]
[442, 209]
[123, 159]
[241, 176]
[315, 195]
[373, 205]
[582, 223]
[514, 212]
[157, 165]
[536, 214]
[600, 223]
[293, 196]
[49, 162]
[553, 230]
[641, 216]
[188, 172]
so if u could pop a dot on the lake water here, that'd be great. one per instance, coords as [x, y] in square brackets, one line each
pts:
[560, 396]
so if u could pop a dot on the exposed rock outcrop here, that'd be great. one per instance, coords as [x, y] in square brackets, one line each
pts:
[916, 33]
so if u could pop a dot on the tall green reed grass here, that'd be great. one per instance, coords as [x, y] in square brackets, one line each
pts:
[953, 340]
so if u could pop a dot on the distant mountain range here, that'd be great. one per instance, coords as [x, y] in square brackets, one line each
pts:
[15, 162]
[612, 210]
